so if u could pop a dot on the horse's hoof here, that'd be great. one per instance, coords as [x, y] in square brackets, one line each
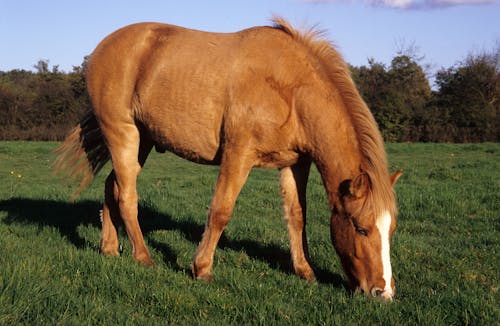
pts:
[148, 263]
[110, 252]
[310, 279]
[144, 260]
[306, 274]
[205, 278]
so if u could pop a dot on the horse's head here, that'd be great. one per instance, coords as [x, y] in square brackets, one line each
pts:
[362, 237]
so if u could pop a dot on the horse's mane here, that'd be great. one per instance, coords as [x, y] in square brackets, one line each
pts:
[371, 144]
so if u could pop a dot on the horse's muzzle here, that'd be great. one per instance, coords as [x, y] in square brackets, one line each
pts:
[385, 295]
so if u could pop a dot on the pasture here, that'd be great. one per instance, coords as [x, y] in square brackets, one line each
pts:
[445, 252]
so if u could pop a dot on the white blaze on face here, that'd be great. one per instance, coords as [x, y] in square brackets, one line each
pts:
[384, 225]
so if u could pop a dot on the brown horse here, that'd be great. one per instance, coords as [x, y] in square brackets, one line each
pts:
[261, 97]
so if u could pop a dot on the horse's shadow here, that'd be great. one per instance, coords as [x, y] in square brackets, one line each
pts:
[66, 217]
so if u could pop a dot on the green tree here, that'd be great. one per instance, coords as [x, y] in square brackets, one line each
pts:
[42, 66]
[42, 105]
[396, 95]
[468, 97]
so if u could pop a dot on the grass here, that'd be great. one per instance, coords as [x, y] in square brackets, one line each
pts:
[444, 253]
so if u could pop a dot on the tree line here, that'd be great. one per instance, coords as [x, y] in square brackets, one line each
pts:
[41, 105]
[463, 107]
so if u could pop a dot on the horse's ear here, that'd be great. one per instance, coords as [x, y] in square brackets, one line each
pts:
[359, 186]
[395, 176]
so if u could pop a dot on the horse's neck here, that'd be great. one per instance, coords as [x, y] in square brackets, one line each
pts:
[337, 162]
[334, 145]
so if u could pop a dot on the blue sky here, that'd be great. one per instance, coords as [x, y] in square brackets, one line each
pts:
[445, 31]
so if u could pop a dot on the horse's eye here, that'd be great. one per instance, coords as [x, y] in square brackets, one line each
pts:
[362, 231]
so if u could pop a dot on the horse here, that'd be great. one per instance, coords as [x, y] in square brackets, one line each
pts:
[270, 96]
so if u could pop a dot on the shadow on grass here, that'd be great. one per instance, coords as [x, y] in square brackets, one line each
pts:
[66, 217]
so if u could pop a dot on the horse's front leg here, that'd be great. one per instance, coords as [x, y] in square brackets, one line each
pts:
[234, 170]
[293, 182]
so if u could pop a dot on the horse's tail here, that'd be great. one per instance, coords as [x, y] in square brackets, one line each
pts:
[83, 153]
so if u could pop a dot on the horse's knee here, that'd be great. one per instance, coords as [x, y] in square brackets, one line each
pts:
[219, 218]
[127, 197]
[294, 217]
[127, 203]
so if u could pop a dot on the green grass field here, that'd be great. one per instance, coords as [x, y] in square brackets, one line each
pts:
[445, 252]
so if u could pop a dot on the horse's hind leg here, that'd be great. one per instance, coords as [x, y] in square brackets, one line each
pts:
[293, 182]
[128, 154]
[110, 217]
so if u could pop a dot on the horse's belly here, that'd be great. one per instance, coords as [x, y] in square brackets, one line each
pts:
[191, 135]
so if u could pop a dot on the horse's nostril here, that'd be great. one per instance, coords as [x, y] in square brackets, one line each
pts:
[376, 291]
